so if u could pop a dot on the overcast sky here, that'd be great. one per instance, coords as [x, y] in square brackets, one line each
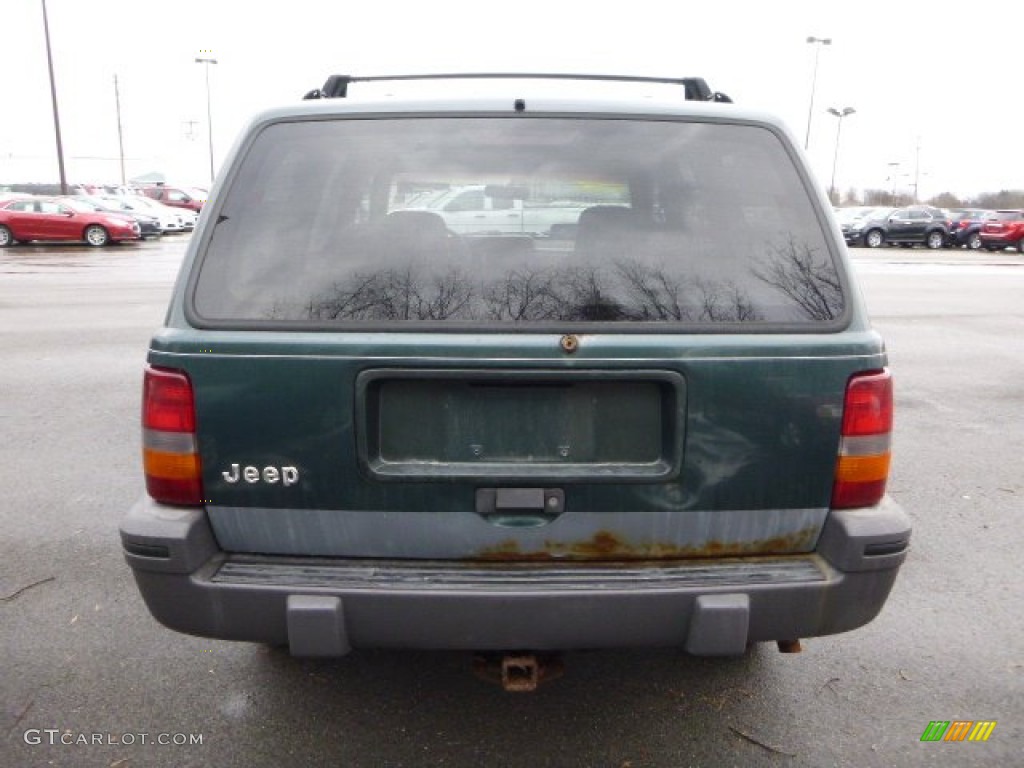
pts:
[940, 76]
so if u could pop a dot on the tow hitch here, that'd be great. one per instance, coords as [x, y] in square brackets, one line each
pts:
[518, 672]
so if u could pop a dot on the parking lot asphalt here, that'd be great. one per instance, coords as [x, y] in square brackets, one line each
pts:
[90, 679]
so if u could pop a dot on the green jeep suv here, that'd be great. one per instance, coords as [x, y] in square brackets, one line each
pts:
[647, 409]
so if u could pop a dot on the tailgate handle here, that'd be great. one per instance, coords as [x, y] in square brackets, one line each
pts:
[520, 506]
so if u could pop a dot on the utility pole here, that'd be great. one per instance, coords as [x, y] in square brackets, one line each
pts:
[120, 135]
[53, 96]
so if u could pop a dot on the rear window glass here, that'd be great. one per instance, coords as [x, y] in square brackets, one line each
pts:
[480, 221]
[1008, 215]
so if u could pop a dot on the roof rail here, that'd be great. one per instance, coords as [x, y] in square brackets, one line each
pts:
[695, 88]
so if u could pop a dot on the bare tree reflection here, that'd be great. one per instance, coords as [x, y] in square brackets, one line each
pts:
[726, 303]
[628, 291]
[811, 282]
[565, 294]
[655, 293]
[395, 295]
[583, 295]
[659, 295]
[521, 297]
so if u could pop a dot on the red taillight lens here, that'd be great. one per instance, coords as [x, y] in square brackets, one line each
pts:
[868, 406]
[170, 457]
[864, 449]
[167, 402]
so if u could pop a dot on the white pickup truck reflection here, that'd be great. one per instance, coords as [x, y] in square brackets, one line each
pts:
[492, 209]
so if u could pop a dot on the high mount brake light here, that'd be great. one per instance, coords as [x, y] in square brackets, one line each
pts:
[169, 451]
[865, 446]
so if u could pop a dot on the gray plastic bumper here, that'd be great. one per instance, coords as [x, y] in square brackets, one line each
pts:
[325, 607]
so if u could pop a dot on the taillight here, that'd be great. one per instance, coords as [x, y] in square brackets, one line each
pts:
[864, 448]
[169, 452]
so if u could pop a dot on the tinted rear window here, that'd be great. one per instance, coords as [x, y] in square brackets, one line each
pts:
[484, 221]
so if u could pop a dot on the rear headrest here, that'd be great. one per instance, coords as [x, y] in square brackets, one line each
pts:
[416, 235]
[414, 224]
[598, 216]
[605, 229]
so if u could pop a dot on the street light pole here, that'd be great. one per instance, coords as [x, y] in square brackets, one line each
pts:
[120, 133]
[207, 61]
[53, 96]
[847, 111]
[817, 42]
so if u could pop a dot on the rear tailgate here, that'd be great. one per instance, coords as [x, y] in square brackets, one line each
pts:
[371, 384]
[632, 447]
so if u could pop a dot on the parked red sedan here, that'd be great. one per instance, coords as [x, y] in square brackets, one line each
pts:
[40, 218]
[1007, 228]
[192, 198]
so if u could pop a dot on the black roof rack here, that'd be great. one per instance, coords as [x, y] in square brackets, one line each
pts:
[695, 88]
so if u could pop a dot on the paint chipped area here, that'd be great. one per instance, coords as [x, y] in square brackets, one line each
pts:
[607, 545]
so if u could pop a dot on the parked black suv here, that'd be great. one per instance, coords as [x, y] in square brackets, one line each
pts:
[918, 225]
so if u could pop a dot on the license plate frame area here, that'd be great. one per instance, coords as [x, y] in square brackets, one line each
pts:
[520, 425]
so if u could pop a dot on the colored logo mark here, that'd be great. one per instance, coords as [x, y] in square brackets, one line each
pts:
[958, 730]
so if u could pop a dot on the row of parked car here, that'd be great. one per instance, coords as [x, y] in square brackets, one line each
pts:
[190, 198]
[932, 227]
[97, 219]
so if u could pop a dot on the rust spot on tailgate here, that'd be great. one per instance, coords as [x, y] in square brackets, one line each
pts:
[608, 545]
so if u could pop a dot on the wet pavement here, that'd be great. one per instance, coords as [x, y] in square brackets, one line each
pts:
[90, 679]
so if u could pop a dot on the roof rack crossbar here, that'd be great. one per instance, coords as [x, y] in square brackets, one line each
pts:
[695, 88]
